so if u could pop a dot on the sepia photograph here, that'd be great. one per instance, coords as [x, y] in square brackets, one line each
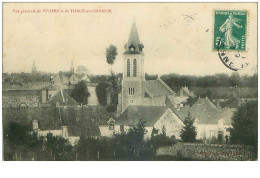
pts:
[129, 81]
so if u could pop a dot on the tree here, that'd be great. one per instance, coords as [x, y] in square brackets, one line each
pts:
[191, 100]
[189, 133]
[244, 124]
[158, 140]
[111, 53]
[235, 79]
[80, 93]
[101, 91]
[129, 144]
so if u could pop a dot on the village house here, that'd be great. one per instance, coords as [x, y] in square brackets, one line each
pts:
[183, 94]
[156, 118]
[35, 94]
[69, 122]
[210, 121]
[68, 80]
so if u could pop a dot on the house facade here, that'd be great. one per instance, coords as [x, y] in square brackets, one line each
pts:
[210, 121]
[157, 118]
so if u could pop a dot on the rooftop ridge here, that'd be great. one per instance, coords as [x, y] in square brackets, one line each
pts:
[165, 85]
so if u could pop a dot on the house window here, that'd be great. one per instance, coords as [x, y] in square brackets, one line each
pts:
[111, 127]
[131, 101]
[122, 128]
[131, 91]
[135, 67]
[128, 68]
[57, 104]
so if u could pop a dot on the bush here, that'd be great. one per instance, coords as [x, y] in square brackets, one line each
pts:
[101, 91]
[245, 124]
[162, 140]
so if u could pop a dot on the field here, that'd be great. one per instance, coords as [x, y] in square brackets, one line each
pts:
[204, 152]
[226, 92]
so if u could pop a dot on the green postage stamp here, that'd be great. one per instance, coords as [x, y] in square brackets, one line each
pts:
[230, 28]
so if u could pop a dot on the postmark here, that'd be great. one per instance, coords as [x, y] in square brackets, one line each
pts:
[230, 37]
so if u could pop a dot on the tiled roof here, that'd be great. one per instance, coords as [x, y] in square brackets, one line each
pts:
[186, 92]
[147, 114]
[203, 103]
[51, 88]
[158, 87]
[63, 98]
[81, 120]
[205, 112]
[79, 76]
[48, 118]
[159, 100]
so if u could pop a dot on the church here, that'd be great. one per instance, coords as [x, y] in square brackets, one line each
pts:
[142, 100]
[135, 89]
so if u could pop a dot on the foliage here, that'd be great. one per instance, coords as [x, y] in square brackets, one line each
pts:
[114, 93]
[16, 133]
[111, 53]
[188, 133]
[80, 93]
[101, 91]
[27, 78]
[19, 144]
[245, 124]
[191, 100]
[124, 146]
[231, 103]
[162, 140]
[176, 81]
[150, 77]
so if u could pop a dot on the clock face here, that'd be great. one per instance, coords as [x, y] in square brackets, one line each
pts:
[132, 49]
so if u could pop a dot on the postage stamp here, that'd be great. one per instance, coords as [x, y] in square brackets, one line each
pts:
[230, 29]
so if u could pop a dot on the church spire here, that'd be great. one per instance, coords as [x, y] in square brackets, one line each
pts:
[133, 45]
[34, 70]
[72, 67]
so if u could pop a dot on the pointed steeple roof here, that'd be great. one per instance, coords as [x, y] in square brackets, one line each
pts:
[34, 70]
[133, 41]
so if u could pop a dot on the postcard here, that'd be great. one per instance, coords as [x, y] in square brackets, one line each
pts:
[130, 82]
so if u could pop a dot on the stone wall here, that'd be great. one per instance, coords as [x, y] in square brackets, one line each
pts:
[171, 123]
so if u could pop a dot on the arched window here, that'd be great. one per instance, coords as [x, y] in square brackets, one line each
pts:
[128, 68]
[135, 67]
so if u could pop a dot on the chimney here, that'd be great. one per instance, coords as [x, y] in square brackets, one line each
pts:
[218, 103]
[65, 133]
[178, 107]
[35, 126]
[44, 96]
[181, 92]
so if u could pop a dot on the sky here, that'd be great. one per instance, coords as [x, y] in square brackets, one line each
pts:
[172, 42]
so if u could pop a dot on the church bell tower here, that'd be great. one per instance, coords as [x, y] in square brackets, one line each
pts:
[133, 81]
